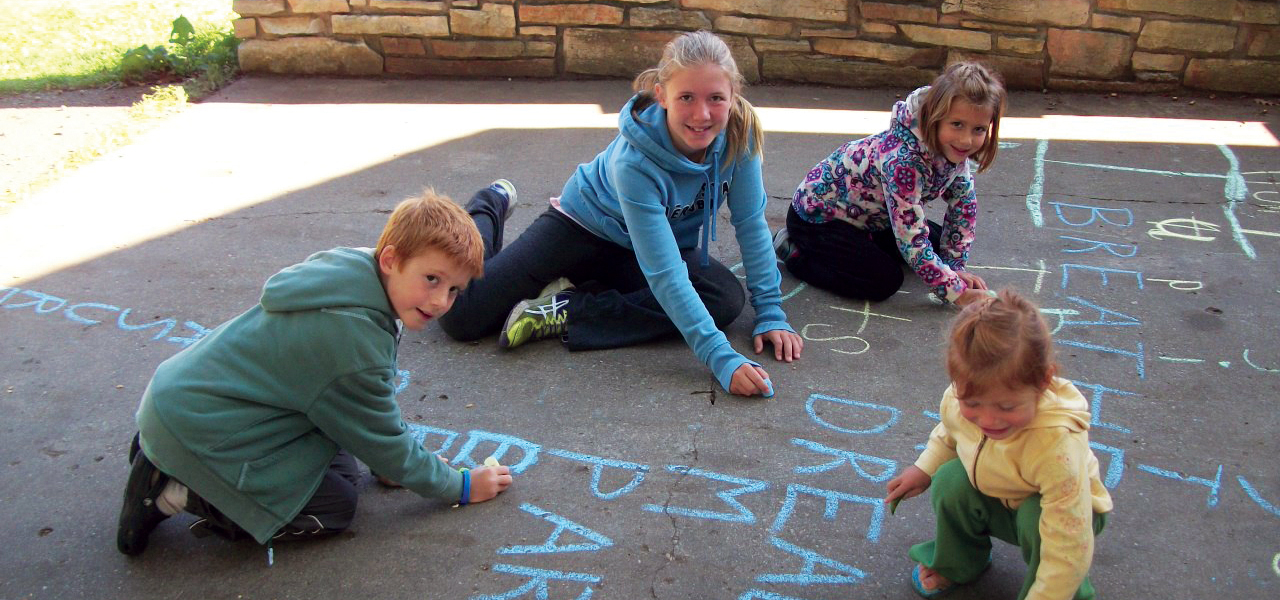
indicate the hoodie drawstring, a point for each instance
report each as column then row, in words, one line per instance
column 709, row 209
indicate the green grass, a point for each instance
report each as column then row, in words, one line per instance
column 78, row 44
column 75, row 44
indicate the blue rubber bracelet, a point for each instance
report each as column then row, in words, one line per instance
column 466, row 488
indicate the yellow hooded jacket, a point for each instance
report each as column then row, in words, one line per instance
column 1050, row 457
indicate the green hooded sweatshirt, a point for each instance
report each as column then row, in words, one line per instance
column 250, row 416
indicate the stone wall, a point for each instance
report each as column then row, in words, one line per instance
column 1088, row 45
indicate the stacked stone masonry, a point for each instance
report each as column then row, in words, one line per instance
column 1083, row 45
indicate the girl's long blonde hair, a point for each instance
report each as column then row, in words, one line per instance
column 974, row 83
column 742, row 134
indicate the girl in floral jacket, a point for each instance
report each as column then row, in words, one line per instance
column 860, row 212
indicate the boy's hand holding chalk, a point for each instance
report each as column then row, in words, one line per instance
column 489, row 461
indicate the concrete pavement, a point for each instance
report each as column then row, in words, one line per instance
column 1147, row 229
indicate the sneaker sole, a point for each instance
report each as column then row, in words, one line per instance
column 511, row 196
column 138, row 518
column 513, row 321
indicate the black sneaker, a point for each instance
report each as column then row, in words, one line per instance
column 139, row 515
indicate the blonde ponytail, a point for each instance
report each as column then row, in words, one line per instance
column 743, row 136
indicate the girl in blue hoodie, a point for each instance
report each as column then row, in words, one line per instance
column 860, row 213
column 631, row 231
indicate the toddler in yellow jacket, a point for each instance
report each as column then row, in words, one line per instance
column 1010, row 459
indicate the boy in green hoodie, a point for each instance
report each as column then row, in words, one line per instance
column 253, row 428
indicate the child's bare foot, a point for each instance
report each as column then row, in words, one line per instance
column 929, row 583
column 932, row 580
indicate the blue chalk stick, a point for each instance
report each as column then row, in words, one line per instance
column 770, row 384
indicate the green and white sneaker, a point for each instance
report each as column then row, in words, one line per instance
column 538, row 318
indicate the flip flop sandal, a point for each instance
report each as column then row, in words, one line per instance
column 919, row 587
column 939, row 592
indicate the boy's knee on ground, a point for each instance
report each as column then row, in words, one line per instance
column 349, row 497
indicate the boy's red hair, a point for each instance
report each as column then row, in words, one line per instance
column 433, row 221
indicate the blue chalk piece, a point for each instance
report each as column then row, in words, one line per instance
column 770, row 384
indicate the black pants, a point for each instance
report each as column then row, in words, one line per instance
column 848, row 261
column 330, row 510
column 613, row 306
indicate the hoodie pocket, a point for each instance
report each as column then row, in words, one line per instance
column 279, row 475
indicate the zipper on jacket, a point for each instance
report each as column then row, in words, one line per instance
column 977, row 455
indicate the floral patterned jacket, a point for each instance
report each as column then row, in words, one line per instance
column 884, row 182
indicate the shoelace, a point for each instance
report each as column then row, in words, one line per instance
column 553, row 317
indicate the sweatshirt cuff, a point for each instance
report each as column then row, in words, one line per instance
column 452, row 485
column 951, row 294
column 725, row 369
column 767, row 326
column 931, row 459
column 770, row 313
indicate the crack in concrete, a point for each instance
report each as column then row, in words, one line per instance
column 711, row 393
column 671, row 554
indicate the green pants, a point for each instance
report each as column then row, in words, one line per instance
column 966, row 521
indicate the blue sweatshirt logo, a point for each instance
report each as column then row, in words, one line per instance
column 681, row 211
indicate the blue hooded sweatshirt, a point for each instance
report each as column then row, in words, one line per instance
column 642, row 193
